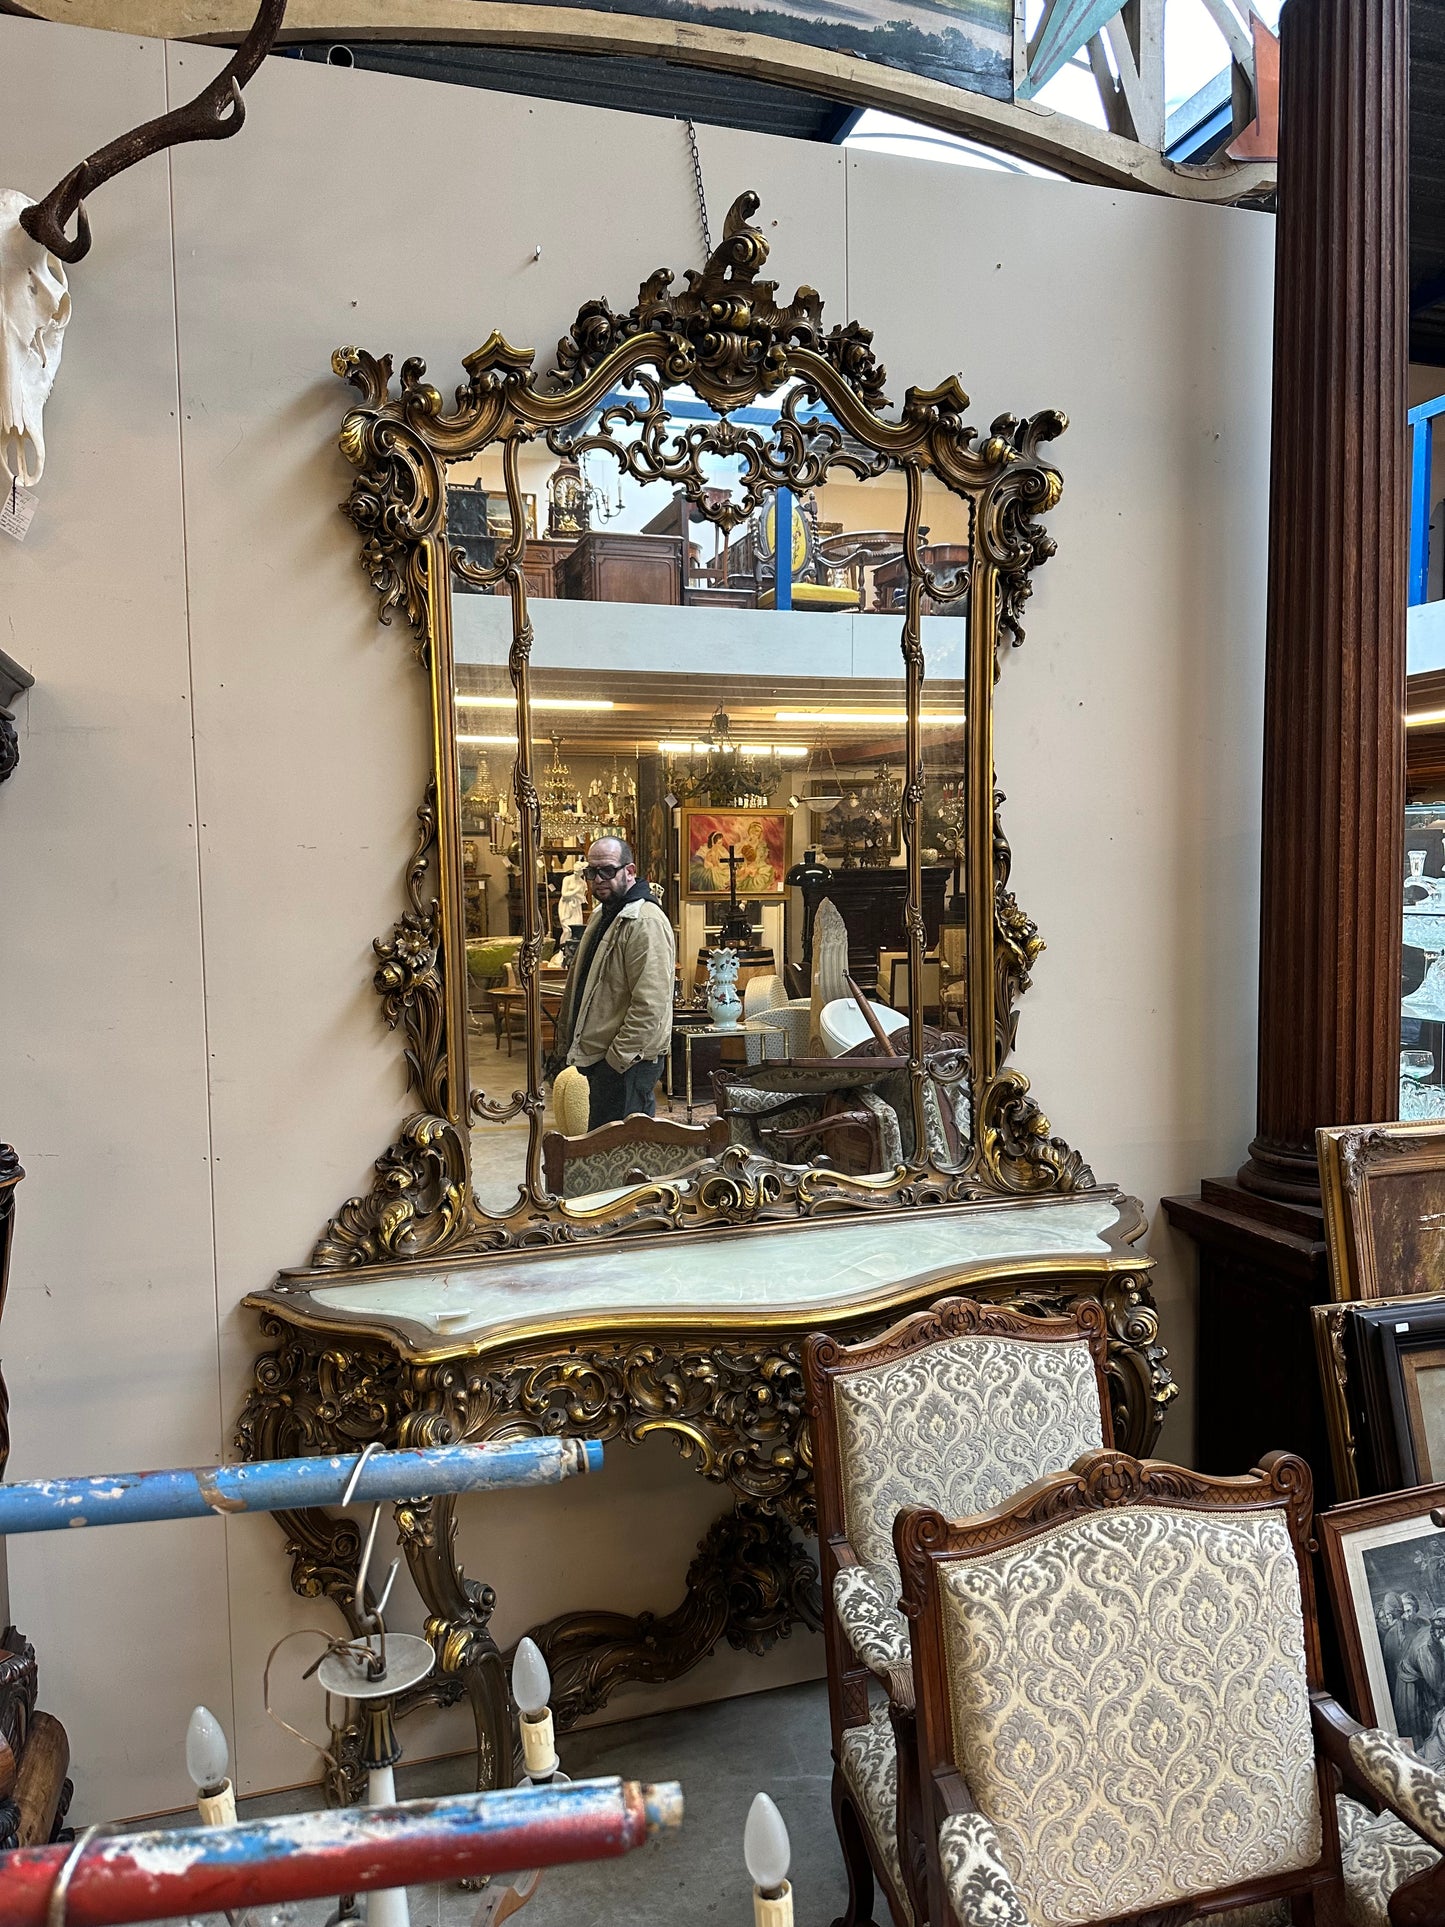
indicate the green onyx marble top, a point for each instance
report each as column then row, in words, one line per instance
column 740, row 1278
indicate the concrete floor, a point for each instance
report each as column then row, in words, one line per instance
column 723, row 1754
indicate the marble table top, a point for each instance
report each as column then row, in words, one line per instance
column 764, row 1277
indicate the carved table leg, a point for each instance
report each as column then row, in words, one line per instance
column 750, row 1583
column 459, row 1611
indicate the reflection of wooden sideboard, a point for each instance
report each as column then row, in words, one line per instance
column 619, row 1340
column 872, row 902
column 608, row 567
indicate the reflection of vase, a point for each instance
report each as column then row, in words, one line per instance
column 725, row 1009
column 724, row 1006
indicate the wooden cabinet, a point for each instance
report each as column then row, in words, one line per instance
column 606, row 567
column 872, row 904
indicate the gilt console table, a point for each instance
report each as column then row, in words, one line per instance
column 618, row 1341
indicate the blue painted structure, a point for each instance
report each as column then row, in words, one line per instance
column 1421, row 452
column 783, row 550
column 277, row 1485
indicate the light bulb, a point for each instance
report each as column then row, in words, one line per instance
column 531, row 1682
column 207, row 1755
column 766, row 1848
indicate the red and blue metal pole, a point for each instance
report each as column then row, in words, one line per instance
column 308, row 1856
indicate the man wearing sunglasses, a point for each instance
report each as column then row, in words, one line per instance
column 615, row 1023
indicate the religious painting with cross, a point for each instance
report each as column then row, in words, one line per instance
column 738, row 854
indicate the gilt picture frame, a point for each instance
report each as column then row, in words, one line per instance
column 1383, row 1189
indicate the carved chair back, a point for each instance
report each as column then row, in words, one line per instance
column 1113, row 1675
column 956, row 1408
column 630, row 1151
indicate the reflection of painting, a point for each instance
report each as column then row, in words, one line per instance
column 856, row 828
column 967, row 43
column 757, row 840
column 499, row 516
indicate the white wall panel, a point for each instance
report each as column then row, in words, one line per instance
column 110, row 1331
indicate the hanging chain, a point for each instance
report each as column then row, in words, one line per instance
column 701, row 193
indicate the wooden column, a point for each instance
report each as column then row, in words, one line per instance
column 1334, row 740
column 1334, row 744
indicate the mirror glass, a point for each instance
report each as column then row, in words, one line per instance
column 738, row 728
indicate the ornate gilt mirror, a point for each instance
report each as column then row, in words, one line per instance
column 697, row 588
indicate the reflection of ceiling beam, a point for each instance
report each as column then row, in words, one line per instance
column 1024, row 128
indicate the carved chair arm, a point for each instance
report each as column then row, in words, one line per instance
column 980, row 1888
column 1412, row 1790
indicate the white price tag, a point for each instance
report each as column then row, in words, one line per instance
column 17, row 512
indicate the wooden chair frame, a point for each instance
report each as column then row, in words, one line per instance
column 702, row 1140
column 925, row 1542
column 825, row 1361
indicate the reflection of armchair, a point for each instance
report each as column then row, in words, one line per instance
column 962, row 1406
column 814, row 1110
column 1119, row 1711
column 631, row 1151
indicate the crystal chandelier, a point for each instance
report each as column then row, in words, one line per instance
column 482, row 801
column 612, row 804
column 722, row 772
column 561, row 818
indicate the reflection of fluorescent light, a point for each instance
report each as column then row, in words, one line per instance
column 783, row 751
column 1418, row 718
column 496, row 742
column 538, row 702
column 929, row 716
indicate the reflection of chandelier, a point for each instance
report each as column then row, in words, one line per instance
column 561, row 818
column 612, row 804
column 952, row 814
column 482, row 801
column 722, row 772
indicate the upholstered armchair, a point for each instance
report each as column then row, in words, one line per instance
column 958, row 1407
column 633, row 1150
column 1120, row 1718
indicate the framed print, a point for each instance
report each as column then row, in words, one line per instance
column 856, row 828
column 1385, row 1568
column 751, row 843
column 1382, row 1374
column 499, row 516
column 1383, row 1187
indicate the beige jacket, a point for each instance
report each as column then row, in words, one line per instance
column 626, row 1010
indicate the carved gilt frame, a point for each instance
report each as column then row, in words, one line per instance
column 727, row 339
column 1361, row 1165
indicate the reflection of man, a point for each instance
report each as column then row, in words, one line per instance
column 1420, row 1684
column 615, row 1023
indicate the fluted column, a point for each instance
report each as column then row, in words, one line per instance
column 1334, row 745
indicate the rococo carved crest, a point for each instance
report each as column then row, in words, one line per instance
column 725, row 336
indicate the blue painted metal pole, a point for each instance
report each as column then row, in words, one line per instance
column 277, row 1485
column 783, row 550
column 1422, row 435
column 307, row 1856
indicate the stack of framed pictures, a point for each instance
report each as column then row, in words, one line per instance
column 1381, row 1345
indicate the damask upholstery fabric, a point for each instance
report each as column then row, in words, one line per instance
column 1378, row 1853
column 869, row 1760
column 1131, row 1707
column 871, row 1621
column 605, row 1170
column 961, row 1425
column 1411, row 1785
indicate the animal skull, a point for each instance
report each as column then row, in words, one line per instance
column 34, row 308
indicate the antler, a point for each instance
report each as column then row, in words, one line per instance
column 215, row 114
